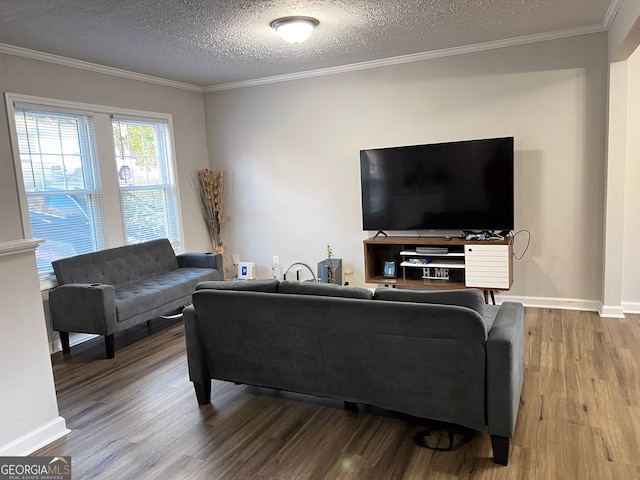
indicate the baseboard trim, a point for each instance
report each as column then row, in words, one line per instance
column 547, row 302
column 35, row 439
column 631, row 307
column 609, row 311
column 74, row 339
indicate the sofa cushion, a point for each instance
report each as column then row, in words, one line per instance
column 267, row 285
column 470, row 298
column 323, row 290
column 160, row 290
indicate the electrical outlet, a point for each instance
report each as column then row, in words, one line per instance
column 276, row 261
column 236, row 259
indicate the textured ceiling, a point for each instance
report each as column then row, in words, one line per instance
column 206, row 43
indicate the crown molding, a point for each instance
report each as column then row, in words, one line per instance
column 417, row 57
column 94, row 67
column 614, row 6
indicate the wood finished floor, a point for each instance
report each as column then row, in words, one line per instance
column 136, row 416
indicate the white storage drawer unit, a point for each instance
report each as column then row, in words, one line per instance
column 488, row 266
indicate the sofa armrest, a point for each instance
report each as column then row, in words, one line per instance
column 84, row 308
column 505, row 369
column 196, row 357
column 202, row 260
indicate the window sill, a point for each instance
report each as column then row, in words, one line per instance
column 47, row 283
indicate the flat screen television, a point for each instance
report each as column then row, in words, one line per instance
column 465, row 185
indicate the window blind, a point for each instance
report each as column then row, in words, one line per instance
column 59, row 170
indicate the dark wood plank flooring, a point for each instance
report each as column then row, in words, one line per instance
column 136, row 416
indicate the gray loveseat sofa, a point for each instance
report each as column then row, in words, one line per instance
column 111, row 290
column 440, row 355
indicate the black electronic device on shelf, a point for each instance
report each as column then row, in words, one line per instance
column 465, row 185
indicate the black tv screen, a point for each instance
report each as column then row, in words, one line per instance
column 466, row 185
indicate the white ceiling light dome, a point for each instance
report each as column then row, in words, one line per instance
column 295, row 29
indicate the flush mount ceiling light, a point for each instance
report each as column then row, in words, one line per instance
column 294, row 29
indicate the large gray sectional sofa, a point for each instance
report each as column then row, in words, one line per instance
column 111, row 290
column 439, row 355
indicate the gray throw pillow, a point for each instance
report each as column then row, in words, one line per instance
column 323, row 290
column 268, row 285
column 470, row 298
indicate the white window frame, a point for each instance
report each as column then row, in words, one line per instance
column 164, row 152
column 106, row 163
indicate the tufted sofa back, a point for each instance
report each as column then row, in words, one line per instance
column 120, row 267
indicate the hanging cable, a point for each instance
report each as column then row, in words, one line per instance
column 513, row 237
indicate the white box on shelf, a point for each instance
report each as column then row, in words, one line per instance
column 247, row 270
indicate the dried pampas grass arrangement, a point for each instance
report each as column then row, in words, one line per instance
column 210, row 184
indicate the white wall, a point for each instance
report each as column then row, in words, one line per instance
column 31, row 77
column 29, row 416
column 620, row 261
column 292, row 153
column 614, row 191
column 631, row 252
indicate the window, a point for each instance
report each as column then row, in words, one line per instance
column 145, row 174
column 79, row 201
column 59, row 173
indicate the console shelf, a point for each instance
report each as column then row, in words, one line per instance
column 411, row 253
column 440, row 264
column 456, row 262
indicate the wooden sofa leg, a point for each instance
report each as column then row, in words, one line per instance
column 110, row 345
column 500, row 447
column 203, row 392
column 64, row 339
